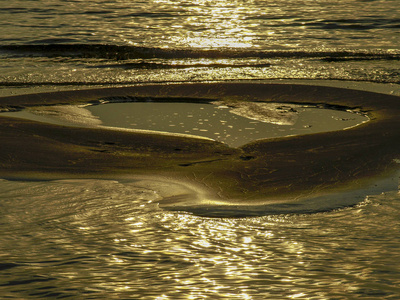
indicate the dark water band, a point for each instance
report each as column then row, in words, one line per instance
column 278, row 172
column 120, row 52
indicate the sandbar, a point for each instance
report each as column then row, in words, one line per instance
column 280, row 170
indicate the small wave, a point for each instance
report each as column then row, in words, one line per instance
column 361, row 23
column 159, row 65
column 120, row 52
column 354, row 24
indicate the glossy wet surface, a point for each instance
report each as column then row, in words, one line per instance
column 106, row 239
column 234, row 125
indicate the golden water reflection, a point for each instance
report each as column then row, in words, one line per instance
column 218, row 251
column 214, row 24
column 102, row 237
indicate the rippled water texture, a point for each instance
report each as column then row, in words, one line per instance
column 68, row 43
column 205, row 24
column 104, row 239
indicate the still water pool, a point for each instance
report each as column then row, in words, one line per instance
column 235, row 124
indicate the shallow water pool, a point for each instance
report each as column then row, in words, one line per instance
column 234, row 124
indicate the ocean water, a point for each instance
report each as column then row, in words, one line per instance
column 103, row 239
column 68, row 44
column 108, row 239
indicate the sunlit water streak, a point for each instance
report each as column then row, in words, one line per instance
column 100, row 239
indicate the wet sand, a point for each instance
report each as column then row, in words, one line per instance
column 284, row 169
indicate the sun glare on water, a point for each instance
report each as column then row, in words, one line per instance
column 215, row 24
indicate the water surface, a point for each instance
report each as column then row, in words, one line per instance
column 74, row 43
column 107, row 239
column 234, row 125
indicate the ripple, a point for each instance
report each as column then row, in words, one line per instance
column 96, row 238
